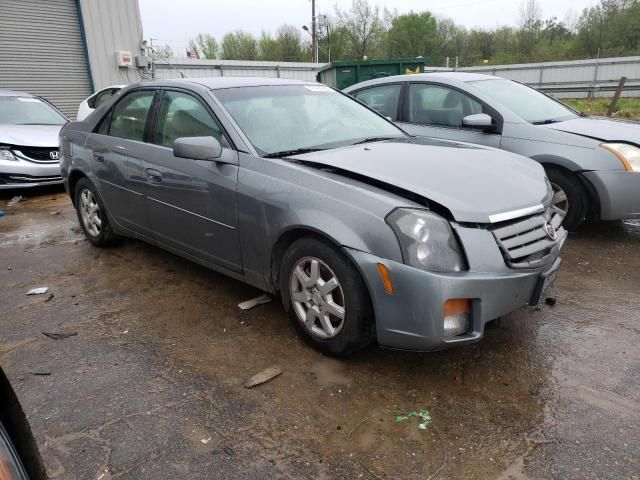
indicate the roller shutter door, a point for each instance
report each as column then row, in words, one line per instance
column 42, row 51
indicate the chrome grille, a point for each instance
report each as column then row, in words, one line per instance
column 526, row 243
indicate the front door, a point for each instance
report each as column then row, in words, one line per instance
column 117, row 147
column 434, row 110
column 192, row 203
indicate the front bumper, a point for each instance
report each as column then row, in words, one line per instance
column 619, row 193
column 412, row 317
column 23, row 174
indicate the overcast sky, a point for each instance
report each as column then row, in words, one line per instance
column 175, row 22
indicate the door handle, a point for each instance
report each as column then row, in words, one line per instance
column 98, row 158
column 153, row 175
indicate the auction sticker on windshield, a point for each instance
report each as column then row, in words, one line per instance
column 317, row 88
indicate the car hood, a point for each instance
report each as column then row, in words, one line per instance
column 474, row 183
column 601, row 128
column 30, row 135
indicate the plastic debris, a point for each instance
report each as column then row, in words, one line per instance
column 423, row 414
column 254, row 302
column 204, row 441
column 59, row 336
column 264, row 376
column 38, row 291
column 15, row 200
column 1, row 214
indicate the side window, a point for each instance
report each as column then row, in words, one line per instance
column 129, row 116
column 182, row 115
column 383, row 99
column 102, row 97
column 439, row 105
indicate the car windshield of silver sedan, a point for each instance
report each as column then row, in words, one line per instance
column 526, row 102
column 28, row 111
column 287, row 119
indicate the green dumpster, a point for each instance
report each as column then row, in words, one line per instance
column 346, row 73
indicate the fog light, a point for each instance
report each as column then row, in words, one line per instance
column 457, row 315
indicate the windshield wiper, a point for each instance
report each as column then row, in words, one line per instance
column 548, row 121
column 373, row 139
column 288, row 153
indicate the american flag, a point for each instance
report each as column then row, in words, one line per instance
column 192, row 54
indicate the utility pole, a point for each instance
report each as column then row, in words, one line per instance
column 314, row 33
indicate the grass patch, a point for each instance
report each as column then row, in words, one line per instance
column 626, row 107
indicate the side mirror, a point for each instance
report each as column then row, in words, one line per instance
column 479, row 120
column 197, row 148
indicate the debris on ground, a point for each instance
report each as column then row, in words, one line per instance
column 423, row 414
column 400, row 417
column 254, row 302
column 41, row 374
column 537, row 439
column 15, row 200
column 550, row 301
column 264, row 376
column 38, row 291
column 1, row 214
column 59, row 336
column 225, row 449
column 54, row 213
column 49, row 298
column 204, row 441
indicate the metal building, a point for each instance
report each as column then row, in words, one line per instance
column 64, row 50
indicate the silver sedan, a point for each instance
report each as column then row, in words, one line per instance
column 365, row 232
column 593, row 163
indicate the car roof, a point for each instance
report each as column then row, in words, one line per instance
column 215, row 83
column 448, row 77
column 14, row 93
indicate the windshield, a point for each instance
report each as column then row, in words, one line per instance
column 284, row 118
column 28, row 111
column 527, row 103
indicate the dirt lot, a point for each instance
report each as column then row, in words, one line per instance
column 151, row 385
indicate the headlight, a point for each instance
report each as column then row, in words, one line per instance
column 6, row 154
column 629, row 155
column 426, row 240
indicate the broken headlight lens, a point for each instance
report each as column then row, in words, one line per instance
column 6, row 154
column 426, row 240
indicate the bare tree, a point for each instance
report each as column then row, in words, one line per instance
column 530, row 24
column 363, row 26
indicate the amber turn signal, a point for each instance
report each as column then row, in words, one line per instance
column 386, row 278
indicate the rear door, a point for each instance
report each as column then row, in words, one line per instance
column 385, row 99
column 436, row 110
column 117, row 146
column 192, row 203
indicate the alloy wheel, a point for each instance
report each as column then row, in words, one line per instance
column 90, row 212
column 317, row 297
column 560, row 201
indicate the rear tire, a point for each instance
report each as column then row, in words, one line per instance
column 92, row 215
column 569, row 195
column 325, row 297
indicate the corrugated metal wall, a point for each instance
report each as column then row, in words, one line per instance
column 111, row 26
column 41, row 51
column 573, row 79
column 194, row 68
column 578, row 78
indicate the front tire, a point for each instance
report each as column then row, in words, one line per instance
column 570, row 198
column 325, row 297
column 92, row 215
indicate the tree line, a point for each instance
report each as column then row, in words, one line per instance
column 610, row 28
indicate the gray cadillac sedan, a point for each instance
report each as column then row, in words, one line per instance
column 593, row 163
column 365, row 232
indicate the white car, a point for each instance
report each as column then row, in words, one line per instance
column 88, row 105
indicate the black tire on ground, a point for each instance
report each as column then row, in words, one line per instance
column 106, row 236
column 357, row 327
column 576, row 194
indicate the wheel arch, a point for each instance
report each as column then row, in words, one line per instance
column 74, row 177
column 593, row 207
